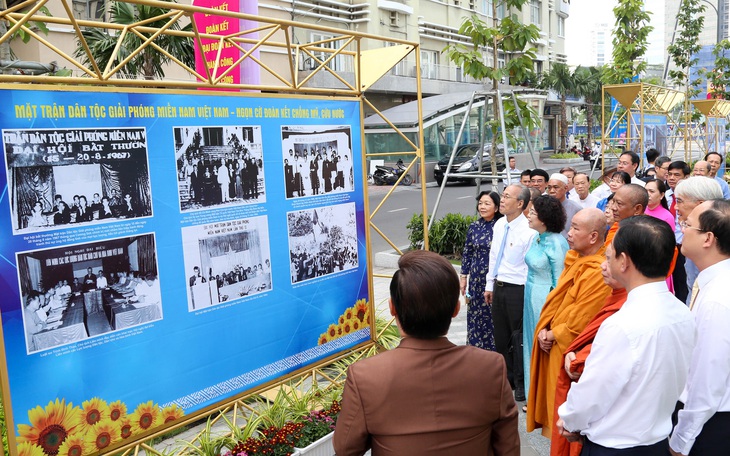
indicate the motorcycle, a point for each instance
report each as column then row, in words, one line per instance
column 387, row 175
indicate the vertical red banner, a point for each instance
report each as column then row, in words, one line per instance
column 248, row 72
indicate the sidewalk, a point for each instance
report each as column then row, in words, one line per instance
column 532, row 444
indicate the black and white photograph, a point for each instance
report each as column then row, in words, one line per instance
column 219, row 166
column 322, row 241
column 226, row 261
column 73, row 293
column 70, row 177
column 317, row 160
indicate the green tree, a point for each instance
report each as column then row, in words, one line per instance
column 560, row 80
column 587, row 84
column 683, row 52
column 507, row 36
column 630, row 39
column 720, row 76
column 150, row 62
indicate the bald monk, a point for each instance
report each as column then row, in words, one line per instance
column 575, row 359
column 629, row 200
column 574, row 302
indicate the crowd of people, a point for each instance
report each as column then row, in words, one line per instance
column 316, row 171
column 82, row 210
column 614, row 333
column 210, row 179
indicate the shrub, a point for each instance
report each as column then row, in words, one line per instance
column 566, row 155
column 446, row 236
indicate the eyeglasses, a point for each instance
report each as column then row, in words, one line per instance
column 506, row 196
column 687, row 227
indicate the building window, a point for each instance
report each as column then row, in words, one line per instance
column 89, row 9
column 561, row 26
column 336, row 64
column 538, row 66
column 395, row 19
column 535, row 7
column 429, row 64
column 501, row 8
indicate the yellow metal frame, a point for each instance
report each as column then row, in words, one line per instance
column 637, row 99
column 369, row 66
column 713, row 109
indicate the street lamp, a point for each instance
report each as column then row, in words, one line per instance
column 717, row 11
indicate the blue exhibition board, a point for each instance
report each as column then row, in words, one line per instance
column 241, row 217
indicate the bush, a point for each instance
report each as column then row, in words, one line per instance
column 446, row 236
column 566, row 155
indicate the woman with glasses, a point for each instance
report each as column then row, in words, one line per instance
column 474, row 267
column 618, row 180
column 544, row 259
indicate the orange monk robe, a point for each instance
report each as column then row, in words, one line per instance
column 581, row 346
column 611, row 233
column 573, row 303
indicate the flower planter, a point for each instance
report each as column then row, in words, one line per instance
column 322, row 447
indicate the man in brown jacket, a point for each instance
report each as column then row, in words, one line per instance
column 427, row 396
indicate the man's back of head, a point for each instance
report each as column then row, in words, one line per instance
column 424, row 294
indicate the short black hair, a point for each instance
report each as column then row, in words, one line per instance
column 634, row 158
column 425, row 292
column 539, row 172
column 550, row 212
column 31, row 295
column 680, row 165
column 494, row 196
column 713, row 153
column 524, row 173
column 651, row 155
column 623, row 175
column 648, row 242
column 716, row 220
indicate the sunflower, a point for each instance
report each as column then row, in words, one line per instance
column 171, row 413
column 347, row 327
column 75, row 445
column 50, row 426
column 340, row 331
column 117, row 409
column 361, row 310
column 356, row 325
column 341, row 319
column 103, row 434
column 30, row 449
column 323, row 339
column 94, row 410
column 145, row 416
column 332, row 331
column 126, row 427
column 349, row 313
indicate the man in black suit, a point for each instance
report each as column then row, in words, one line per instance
column 196, row 278
column 89, row 280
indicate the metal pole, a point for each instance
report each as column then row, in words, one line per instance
column 504, row 138
column 524, row 132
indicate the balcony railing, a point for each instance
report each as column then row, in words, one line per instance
column 407, row 68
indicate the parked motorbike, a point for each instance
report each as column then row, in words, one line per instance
column 387, row 175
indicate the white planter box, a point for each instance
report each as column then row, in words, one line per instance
column 322, row 447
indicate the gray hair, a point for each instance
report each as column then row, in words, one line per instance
column 699, row 188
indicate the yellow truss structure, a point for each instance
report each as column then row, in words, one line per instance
column 713, row 110
column 368, row 65
column 637, row 99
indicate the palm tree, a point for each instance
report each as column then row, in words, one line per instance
column 150, row 62
column 587, row 81
column 560, row 80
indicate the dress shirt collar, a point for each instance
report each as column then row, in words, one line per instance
column 519, row 220
column 713, row 271
column 640, row 294
column 439, row 343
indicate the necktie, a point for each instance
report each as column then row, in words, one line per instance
column 695, row 292
column 673, row 206
column 500, row 254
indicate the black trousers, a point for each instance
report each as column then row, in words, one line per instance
column 679, row 277
column 714, row 439
column 593, row 449
column 507, row 310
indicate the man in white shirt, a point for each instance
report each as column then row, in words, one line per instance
column 676, row 172
column 581, row 186
column 101, row 281
column 703, row 426
column 640, row 357
column 628, row 162
column 715, row 160
column 505, row 289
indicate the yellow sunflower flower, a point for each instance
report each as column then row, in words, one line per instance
column 347, row 327
column 361, row 310
column 103, row 434
column 30, row 449
column 75, row 445
column 145, row 416
column 49, row 427
column 322, row 339
column 171, row 413
column 126, row 427
column 94, row 410
column 332, row 331
column 356, row 325
column 349, row 314
column 341, row 319
column 340, row 331
column 117, row 409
